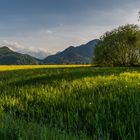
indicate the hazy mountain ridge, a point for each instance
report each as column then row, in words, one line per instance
column 72, row 55
column 9, row 57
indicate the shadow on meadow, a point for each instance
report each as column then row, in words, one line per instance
column 108, row 109
column 50, row 76
column 102, row 113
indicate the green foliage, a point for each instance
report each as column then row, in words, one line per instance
column 120, row 47
column 70, row 104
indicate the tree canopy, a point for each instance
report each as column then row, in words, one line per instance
column 119, row 47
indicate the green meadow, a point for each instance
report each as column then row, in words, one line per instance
column 70, row 103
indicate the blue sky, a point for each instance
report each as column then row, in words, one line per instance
column 41, row 26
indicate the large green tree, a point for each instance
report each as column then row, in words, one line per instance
column 119, row 47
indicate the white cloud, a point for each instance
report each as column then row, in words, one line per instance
column 46, row 32
column 93, row 25
column 15, row 46
column 53, row 39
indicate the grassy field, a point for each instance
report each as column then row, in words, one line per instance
column 69, row 103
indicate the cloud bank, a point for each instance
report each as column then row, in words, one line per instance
column 35, row 52
column 52, row 26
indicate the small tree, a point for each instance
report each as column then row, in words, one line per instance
column 120, row 47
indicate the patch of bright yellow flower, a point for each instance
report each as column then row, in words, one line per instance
column 21, row 67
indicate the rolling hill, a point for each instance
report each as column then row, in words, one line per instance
column 9, row 57
column 73, row 55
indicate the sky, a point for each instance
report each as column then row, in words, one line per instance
column 44, row 27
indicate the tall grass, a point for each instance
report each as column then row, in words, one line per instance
column 70, row 103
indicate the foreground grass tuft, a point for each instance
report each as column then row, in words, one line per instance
column 70, row 103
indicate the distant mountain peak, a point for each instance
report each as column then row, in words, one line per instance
column 69, row 48
column 9, row 57
column 5, row 49
column 74, row 55
column 92, row 42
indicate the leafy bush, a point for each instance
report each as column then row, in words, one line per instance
column 119, row 47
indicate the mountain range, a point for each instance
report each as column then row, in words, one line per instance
column 9, row 57
column 72, row 55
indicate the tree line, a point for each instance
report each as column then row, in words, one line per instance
column 119, row 47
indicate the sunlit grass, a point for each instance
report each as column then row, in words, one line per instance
column 69, row 103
